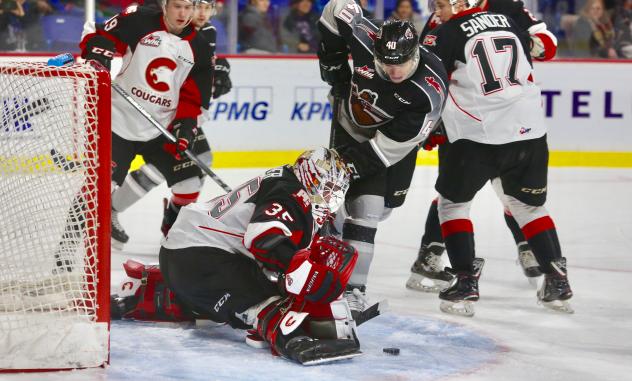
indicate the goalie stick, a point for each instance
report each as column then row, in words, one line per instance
column 170, row 137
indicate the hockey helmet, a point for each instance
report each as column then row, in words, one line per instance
column 396, row 50
column 463, row 5
column 325, row 178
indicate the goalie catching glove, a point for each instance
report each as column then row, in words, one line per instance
column 320, row 274
column 185, row 131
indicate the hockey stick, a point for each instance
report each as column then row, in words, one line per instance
column 374, row 311
column 170, row 137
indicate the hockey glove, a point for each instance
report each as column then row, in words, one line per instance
column 334, row 69
column 185, row 131
column 436, row 138
column 221, row 78
column 100, row 49
column 320, row 274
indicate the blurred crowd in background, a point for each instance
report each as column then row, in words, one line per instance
column 584, row 28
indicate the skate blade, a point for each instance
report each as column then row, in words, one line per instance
column 462, row 308
column 424, row 284
column 558, row 306
column 331, row 359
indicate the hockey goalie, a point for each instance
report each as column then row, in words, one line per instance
column 252, row 259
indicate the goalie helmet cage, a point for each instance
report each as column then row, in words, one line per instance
column 55, row 154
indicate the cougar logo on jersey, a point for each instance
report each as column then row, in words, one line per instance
column 151, row 40
column 433, row 82
column 363, row 107
column 409, row 35
column 158, row 73
column 365, row 71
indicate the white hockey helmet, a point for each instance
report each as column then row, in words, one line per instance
column 467, row 4
column 325, row 178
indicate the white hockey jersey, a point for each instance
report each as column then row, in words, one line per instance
column 169, row 76
column 492, row 98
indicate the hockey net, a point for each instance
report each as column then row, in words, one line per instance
column 54, row 216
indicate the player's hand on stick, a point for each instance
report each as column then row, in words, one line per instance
column 320, row 274
column 100, row 49
column 334, row 69
column 221, row 79
column 184, row 130
column 436, row 138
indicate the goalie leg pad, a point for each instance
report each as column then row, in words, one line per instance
column 309, row 333
column 145, row 296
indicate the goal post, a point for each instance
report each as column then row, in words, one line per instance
column 55, row 171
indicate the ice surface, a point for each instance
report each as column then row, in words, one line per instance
column 510, row 338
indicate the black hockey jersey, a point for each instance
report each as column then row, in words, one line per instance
column 492, row 97
column 267, row 218
column 388, row 119
column 169, row 75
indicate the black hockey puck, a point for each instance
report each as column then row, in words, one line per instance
column 391, row 351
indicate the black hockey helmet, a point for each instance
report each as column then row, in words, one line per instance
column 396, row 43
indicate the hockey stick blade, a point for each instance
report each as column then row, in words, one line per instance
column 170, row 137
column 372, row 312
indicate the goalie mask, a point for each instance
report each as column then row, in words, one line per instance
column 396, row 50
column 326, row 180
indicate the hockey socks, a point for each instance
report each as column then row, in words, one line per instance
column 542, row 237
column 458, row 235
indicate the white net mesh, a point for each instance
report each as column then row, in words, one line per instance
column 49, row 218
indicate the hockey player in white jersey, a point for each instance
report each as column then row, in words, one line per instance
column 167, row 69
column 427, row 272
column 251, row 259
column 142, row 180
column 495, row 124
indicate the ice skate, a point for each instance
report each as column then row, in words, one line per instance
column 555, row 290
column 528, row 263
column 428, row 273
column 118, row 234
column 458, row 298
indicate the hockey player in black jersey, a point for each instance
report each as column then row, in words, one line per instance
column 495, row 125
column 140, row 181
column 251, row 259
column 427, row 272
column 389, row 104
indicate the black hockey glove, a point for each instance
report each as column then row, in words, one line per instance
column 221, row 78
column 334, row 69
column 185, row 131
column 100, row 49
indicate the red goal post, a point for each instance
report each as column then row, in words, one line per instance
column 55, row 171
